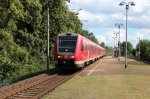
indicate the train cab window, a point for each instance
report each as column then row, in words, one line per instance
column 67, row 44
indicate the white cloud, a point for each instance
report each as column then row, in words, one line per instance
column 135, row 39
column 101, row 38
column 145, row 31
column 141, row 7
column 108, row 39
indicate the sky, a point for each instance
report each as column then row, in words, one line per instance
column 102, row 15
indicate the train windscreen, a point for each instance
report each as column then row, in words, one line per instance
column 67, row 44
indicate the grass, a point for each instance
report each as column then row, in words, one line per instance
column 132, row 84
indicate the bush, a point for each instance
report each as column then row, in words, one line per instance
column 12, row 57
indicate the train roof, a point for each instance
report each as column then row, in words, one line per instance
column 68, row 34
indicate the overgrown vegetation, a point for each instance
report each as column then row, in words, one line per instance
column 108, row 50
column 144, row 50
column 23, row 29
column 129, row 48
column 144, row 53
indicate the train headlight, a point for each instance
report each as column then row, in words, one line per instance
column 71, row 56
column 59, row 56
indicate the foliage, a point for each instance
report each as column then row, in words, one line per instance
column 12, row 56
column 144, row 49
column 108, row 50
column 89, row 35
column 102, row 44
column 123, row 48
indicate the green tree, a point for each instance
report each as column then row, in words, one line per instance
column 102, row 44
column 144, row 49
column 108, row 50
column 89, row 35
column 123, row 48
column 12, row 57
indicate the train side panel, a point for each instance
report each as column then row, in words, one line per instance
column 82, row 54
column 78, row 60
column 86, row 52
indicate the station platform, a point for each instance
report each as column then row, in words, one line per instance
column 112, row 66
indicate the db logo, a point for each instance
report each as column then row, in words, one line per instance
column 65, row 57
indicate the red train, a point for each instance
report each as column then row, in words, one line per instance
column 75, row 51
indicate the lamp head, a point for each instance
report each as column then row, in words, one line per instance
column 132, row 4
column 78, row 10
column 121, row 4
column 77, row 13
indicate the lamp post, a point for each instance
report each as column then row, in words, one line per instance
column 139, row 49
column 119, row 25
column 84, row 20
column 114, row 41
column 114, row 47
column 48, row 38
column 127, row 7
column 116, row 38
column 77, row 11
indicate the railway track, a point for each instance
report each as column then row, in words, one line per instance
column 34, row 88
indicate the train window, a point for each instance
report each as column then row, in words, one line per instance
column 67, row 43
column 84, row 46
column 92, row 48
column 89, row 47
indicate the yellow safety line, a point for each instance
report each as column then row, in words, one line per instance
column 94, row 69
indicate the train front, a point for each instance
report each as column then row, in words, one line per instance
column 65, row 45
